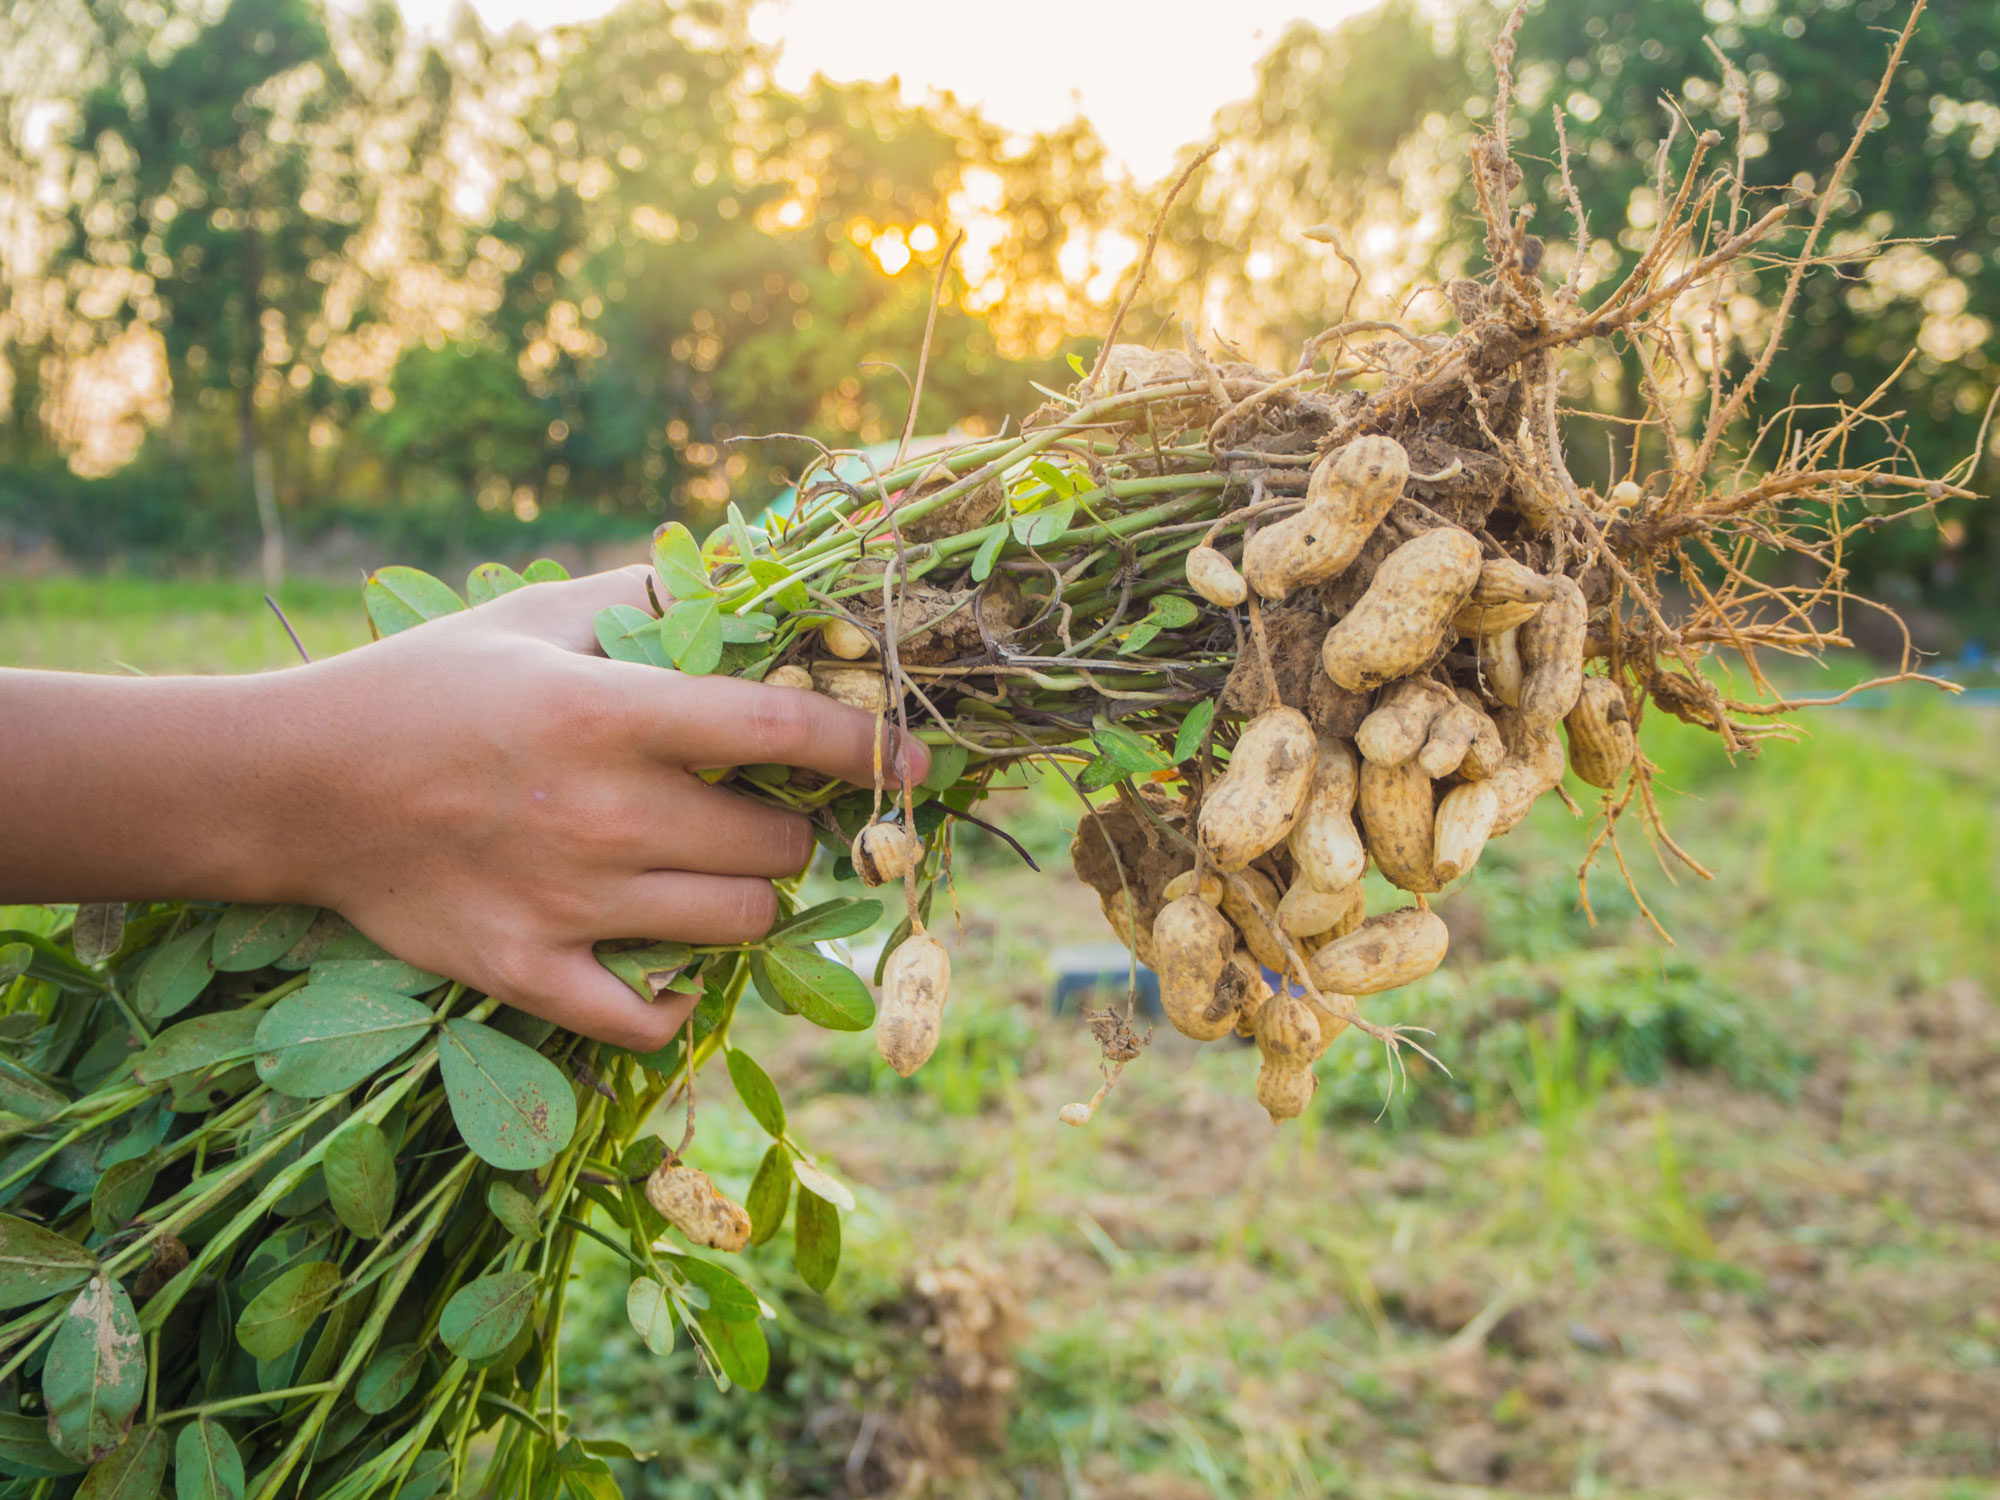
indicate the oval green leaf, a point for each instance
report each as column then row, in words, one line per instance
column 770, row 1194
column 25, row 1450
column 175, row 975
column 206, row 1463
column 361, row 1178
column 758, row 1093
column 515, row 1210
column 677, row 559
column 512, row 1105
column 816, row 1240
column 816, row 1180
column 95, row 1377
column 739, row 1349
column 389, row 1376
column 188, row 1046
column 545, row 570
column 728, row 1298
column 627, row 633
column 839, row 918
column 134, row 1471
column 483, row 1316
column 801, row 980
column 650, row 1311
column 397, row 598
column 691, row 632
column 326, row 1038
column 249, row 937
column 37, row 1263
column 97, row 931
column 390, row 974
column 279, row 1316
column 121, row 1192
column 490, row 580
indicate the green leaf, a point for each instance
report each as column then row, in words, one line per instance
column 490, row 580
column 249, row 937
column 648, row 968
column 390, row 974
column 95, row 1377
column 26, row 1452
column 513, row 1106
column 545, row 570
column 388, row 1377
column 692, row 633
column 758, row 1093
column 801, row 981
column 515, row 1210
column 279, row 1316
column 1133, row 752
column 677, row 559
column 22, row 1093
column 727, row 1297
column 770, row 1194
column 186, row 1046
column 46, row 961
column 739, row 533
column 326, row 1038
column 792, row 597
column 947, row 765
column 630, row 634
column 1139, row 637
column 651, row 1313
column 37, row 1263
column 742, row 630
column 1100, row 772
column 1039, row 528
column 206, row 1463
column 838, row 918
column 15, row 959
column 582, row 1476
column 175, row 975
column 988, row 554
column 361, row 1179
column 1082, row 370
column 398, row 598
column 739, row 1349
column 816, row 1240
column 483, row 1316
column 813, row 1179
column 1188, row 742
column 135, row 1470
column 1173, row 611
column 98, row 931
column 121, row 1192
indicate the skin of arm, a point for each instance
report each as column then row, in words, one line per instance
column 485, row 795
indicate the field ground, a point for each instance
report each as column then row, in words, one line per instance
column 1720, row 1219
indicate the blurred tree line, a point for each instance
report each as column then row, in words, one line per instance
column 452, row 291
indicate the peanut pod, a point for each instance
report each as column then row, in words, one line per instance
column 1324, row 845
column 1500, row 666
column 1397, row 817
column 857, row 687
column 1601, row 743
column 1487, row 751
column 915, row 986
column 1399, row 624
column 1382, row 953
column 1346, row 498
column 1246, row 898
column 1401, row 721
column 882, row 852
column 1254, row 804
column 1465, row 817
column 845, row 639
column 1215, row 578
column 1192, row 942
column 687, row 1200
column 1306, row 912
column 1452, row 737
column 1552, row 654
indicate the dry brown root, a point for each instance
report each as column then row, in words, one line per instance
column 687, row 1200
column 1307, row 912
column 883, row 852
column 1397, row 816
column 1323, row 842
column 1346, row 498
column 789, row 677
column 1252, row 807
column 1488, row 751
column 846, row 640
column 1552, row 656
column 915, row 985
column 1192, row 942
column 857, row 687
column 1242, row 899
column 1465, row 817
column 1382, row 953
column 1215, row 578
column 1402, row 720
column 1399, row 623
column 1601, row 742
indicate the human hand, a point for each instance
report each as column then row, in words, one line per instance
column 496, row 796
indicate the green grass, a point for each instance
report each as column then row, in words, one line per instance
column 154, row 626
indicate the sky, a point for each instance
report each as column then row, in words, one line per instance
column 1148, row 73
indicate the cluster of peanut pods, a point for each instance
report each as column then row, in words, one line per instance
column 1443, row 759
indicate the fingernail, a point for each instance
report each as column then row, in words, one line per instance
column 913, row 760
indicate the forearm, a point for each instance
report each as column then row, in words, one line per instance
column 143, row 788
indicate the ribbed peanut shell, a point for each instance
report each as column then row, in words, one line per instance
column 1324, row 844
column 1305, row 912
column 687, row 1200
column 1192, row 942
column 1285, row 1091
column 1396, row 818
column 1465, row 817
column 857, row 687
column 1476, row 619
column 1214, row 577
column 1252, row 807
column 1400, row 622
column 915, row 985
column 1258, row 935
column 1382, row 953
column 1346, row 498
column 1601, row 743
column 1500, row 669
column 1505, row 581
column 1487, row 751
column 846, row 640
column 1552, row 655
column 1396, row 729
column 1452, row 738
